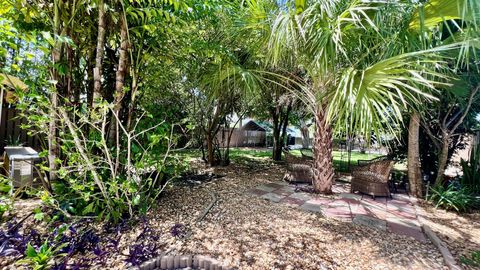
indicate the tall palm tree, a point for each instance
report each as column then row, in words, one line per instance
column 359, row 80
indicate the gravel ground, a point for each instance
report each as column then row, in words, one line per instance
column 461, row 232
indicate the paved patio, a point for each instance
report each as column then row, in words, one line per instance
column 396, row 215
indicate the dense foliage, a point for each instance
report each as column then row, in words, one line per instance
column 455, row 198
column 57, row 246
column 471, row 170
column 114, row 89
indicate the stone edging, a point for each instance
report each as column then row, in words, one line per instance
column 170, row 262
column 441, row 246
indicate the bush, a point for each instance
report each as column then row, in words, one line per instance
column 471, row 171
column 452, row 198
column 102, row 171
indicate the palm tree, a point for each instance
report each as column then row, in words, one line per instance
column 359, row 80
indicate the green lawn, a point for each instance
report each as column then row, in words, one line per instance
column 340, row 160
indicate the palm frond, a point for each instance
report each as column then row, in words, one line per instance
column 371, row 100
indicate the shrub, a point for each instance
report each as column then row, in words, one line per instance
column 471, row 171
column 452, row 198
column 110, row 174
column 5, row 204
column 40, row 258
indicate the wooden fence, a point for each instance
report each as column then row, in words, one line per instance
column 11, row 132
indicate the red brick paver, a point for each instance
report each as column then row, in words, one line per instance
column 398, row 212
column 292, row 201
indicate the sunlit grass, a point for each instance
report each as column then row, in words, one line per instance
column 241, row 155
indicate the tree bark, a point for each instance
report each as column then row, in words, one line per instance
column 211, row 131
column 442, row 159
column 448, row 129
column 132, row 100
column 277, row 147
column 69, row 78
column 284, row 126
column 210, row 150
column 52, row 125
column 120, row 79
column 305, row 134
column 413, row 156
column 97, row 71
column 323, row 171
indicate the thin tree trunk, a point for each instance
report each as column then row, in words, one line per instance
column 132, row 101
column 88, row 87
column 448, row 128
column 97, row 71
column 277, row 146
column 323, row 171
column 210, row 150
column 305, row 134
column 69, row 78
column 52, row 125
column 211, row 132
column 414, row 172
column 120, row 80
column 284, row 126
column 442, row 159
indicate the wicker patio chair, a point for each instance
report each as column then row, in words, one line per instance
column 362, row 162
column 372, row 179
column 299, row 170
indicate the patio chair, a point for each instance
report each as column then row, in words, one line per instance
column 372, row 179
column 362, row 162
column 299, row 170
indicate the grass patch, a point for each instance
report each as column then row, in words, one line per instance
column 241, row 155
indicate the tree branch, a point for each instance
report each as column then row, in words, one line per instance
column 467, row 109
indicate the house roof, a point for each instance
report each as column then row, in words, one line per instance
column 252, row 125
column 265, row 125
column 268, row 128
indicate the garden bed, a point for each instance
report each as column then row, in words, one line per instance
column 460, row 232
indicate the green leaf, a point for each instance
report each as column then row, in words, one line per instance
column 299, row 6
column 30, row 251
column 39, row 216
column 88, row 209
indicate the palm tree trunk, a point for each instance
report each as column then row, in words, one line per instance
column 97, row 71
column 323, row 171
column 414, row 172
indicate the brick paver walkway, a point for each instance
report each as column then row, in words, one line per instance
column 396, row 215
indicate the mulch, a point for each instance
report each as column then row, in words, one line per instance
column 251, row 233
column 460, row 232
column 247, row 232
